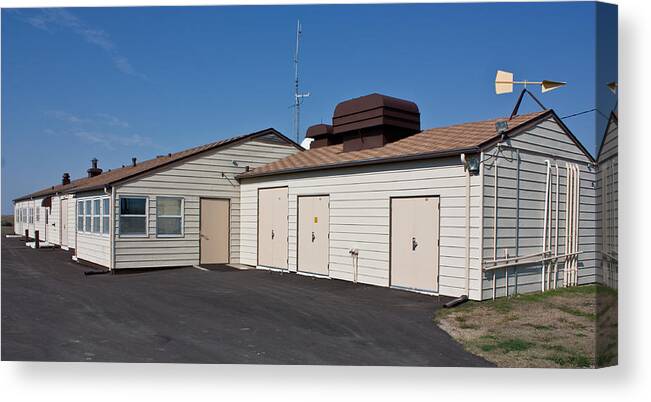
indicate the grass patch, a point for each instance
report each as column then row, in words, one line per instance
column 577, row 312
column 514, row 345
column 573, row 360
column 539, row 326
column 557, row 328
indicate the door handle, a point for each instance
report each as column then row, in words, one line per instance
column 313, row 237
column 273, row 234
column 414, row 244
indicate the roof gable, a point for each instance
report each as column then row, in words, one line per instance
column 114, row 176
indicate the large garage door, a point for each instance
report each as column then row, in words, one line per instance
column 415, row 243
column 272, row 227
column 313, row 234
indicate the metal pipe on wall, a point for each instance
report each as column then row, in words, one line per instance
column 577, row 222
column 495, row 182
column 467, row 232
column 544, row 234
column 556, row 229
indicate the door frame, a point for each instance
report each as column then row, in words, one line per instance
column 257, row 224
column 61, row 201
column 229, row 223
column 298, row 215
column 438, row 246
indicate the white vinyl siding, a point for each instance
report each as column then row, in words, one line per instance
column 209, row 175
column 520, row 224
column 607, row 205
column 360, row 217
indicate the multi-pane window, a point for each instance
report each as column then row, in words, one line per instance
column 38, row 214
column 96, row 215
column 30, row 215
column 88, row 207
column 169, row 216
column 133, row 216
column 106, row 215
column 80, row 216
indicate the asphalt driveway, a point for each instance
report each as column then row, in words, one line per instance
column 51, row 311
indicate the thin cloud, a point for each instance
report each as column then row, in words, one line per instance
column 65, row 117
column 111, row 141
column 49, row 19
column 112, row 120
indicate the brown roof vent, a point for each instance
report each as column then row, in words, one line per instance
column 322, row 136
column 94, row 170
column 134, row 161
column 374, row 120
column 66, row 179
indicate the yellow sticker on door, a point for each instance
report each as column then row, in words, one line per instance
column 316, row 219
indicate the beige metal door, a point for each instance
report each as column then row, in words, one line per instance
column 313, row 234
column 415, row 243
column 64, row 222
column 214, row 231
column 272, row 227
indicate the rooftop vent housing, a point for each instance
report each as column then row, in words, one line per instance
column 94, row 170
column 373, row 121
column 322, row 136
column 65, row 179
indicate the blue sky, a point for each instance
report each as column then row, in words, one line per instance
column 113, row 83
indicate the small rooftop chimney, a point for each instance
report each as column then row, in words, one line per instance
column 322, row 136
column 94, row 170
column 134, row 161
column 66, row 179
column 373, row 121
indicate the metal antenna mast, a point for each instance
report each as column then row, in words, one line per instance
column 298, row 97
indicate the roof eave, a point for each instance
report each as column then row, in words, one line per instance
column 365, row 162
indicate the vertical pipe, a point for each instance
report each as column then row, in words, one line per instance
column 36, row 239
column 467, row 232
column 578, row 221
column 556, row 231
column 112, row 218
column 495, row 208
column 544, row 234
column 567, row 223
column 481, row 226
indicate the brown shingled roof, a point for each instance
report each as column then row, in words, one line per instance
column 441, row 141
column 109, row 177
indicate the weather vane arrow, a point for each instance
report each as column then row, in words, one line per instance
column 504, row 83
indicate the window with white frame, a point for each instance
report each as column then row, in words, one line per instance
column 96, row 215
column 80, row 216
column 38, row 214
column 88, row 219
column 24, row 215
column 30, row 215
column 169, row 216
column 133, row 216
column 106, row 215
